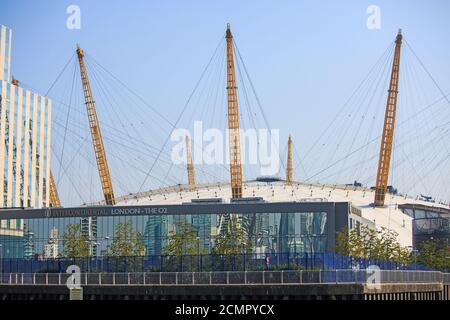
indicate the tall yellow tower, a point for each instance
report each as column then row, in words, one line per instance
column 54, row 198
column 289, row 169
column 233, row 121
column 388, row 128
column 99, row 148
column 190, row 166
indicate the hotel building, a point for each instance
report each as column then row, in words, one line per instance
column 25, row 131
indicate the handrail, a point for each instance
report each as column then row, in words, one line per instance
column 286, row 277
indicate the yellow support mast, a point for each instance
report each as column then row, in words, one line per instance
column 233, row 121
column 289, row 169
column 99, row 148
column 54, row 197
column 231, row 221
column 388, row 128
column 190, row 166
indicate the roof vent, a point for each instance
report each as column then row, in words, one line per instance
column 268, row 179
column 206, row 200
column 247, row 200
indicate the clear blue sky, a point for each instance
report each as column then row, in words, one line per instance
column 294, row 49
column 305, row 57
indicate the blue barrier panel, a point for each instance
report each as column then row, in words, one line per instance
column 208, row 262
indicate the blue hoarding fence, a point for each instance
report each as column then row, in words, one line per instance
column 199, row 263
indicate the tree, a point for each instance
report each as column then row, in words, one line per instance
column 184, row 241
column 183, row 247
column 234, row 241
column 342, row 242
column 434, row 254
column 127, row 242
column 75, row 245
column 126, row 248
column 231, row 247
column 368, row 243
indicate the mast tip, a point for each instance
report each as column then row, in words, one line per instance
column 79, row 51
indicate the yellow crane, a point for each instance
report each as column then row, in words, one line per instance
column 233, row 121
column 99, row 148
column 190, row 166
column 289, row 169
column 388, row 128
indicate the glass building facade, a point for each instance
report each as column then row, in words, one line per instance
column 295, row 228
column 25, row 126
column 156, row 234
column 267, row 232
column 429, row 223
column 283, row 232
column 5, row 52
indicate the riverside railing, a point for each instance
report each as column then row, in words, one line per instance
column 228, row 278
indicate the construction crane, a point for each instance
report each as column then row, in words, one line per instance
column 289, row 170
column 190, row 166
column 233, row 121
column 388, row 128
column 99, row 148
column 54, row 198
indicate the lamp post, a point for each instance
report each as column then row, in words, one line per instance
column 91, row 243
column 414, row 252
column 107, row 239
column 100, row 246
column 277, row 234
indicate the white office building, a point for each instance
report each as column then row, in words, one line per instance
column 25, row 132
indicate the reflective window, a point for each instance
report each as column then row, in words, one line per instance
column 291, row 233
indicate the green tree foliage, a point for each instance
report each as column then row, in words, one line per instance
column 184, row 241
column 183, row 250
column 127, row 242
column 231, row 248
column 233, row 242
column 365, row 242
column 434, row 254
column 75, row 245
